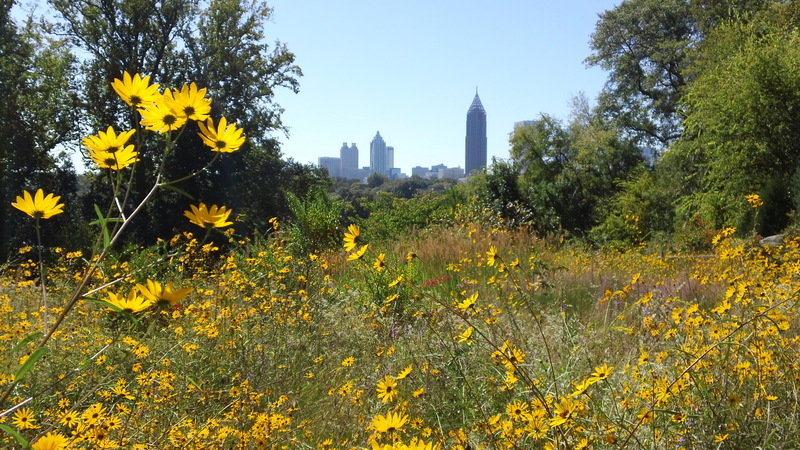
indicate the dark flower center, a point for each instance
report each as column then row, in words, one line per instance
column 135, row 100
column 169, row 119
column 221, row 144
column 189, row 110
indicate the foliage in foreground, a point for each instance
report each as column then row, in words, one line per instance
column 479, row 337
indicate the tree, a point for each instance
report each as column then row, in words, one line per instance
column 221, row 46
column 569, row 171
column 37, row 113
column 644, row 44
column 742, row 120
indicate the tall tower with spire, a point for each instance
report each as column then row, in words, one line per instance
column 378, row 158
column 475, row 145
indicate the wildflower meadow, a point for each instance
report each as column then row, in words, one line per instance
column 467, row 334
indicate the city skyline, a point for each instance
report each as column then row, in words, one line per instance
column 381, row 155
column 414, row 83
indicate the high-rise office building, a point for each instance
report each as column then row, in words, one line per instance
column 378, row 157
column 475, row 142
column 349, row 159
column 332, row 165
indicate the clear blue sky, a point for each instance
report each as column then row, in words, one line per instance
column 409, row 69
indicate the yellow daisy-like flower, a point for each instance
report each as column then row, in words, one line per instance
column 214, row 217
column 754, row 200
column 39, row 206
column 347, row 362
column 405, row 372
column 136, row 91
column 517, row 410
column 134, row 303
column 380, row 262
column 225, row 138
column 563, row 412
column 358, row 254
column 391, row 423
column 160, row 117
column 601, row 373
column 463, row 337
column 189, row 102
column 491, row 256
column 396, row 281
column 387, row 389
column 108, row 141
column 351, row 237
column 117, row 160
column 23, row 419
column 165, row 295
column 468, row 302
column 51, row 441
column 94, row 414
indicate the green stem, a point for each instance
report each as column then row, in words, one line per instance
column 192, row 175
column 42, row 274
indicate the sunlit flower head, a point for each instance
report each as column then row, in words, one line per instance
column 189, row 102
column 117, row 160
column 405, row 372
column 468, row 302
column 396, row 281
column 517, row 410
column 463, row 337
column 380, row 262
column 162, row 295
column 23, row 419
column 213, row 217
column 160, row 117
column 108, row 141
column 391, row 423
column 39, row 206
column 358, row 254
column 351, row 237
column 133, row 303
column 601, row 372
column 491, row 256
column 136, row 91
column 754, row 200
column 563, row 411
column 51, row 441
column 387, row 389
column 224, row 138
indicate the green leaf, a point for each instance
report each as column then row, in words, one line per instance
column 22, row 371
column 102, row 222
column 116, row 309
column 108, row 305
column 30, row 338
column 20, row 440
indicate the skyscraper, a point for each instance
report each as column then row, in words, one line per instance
column 475, row 145
column 378, row 161
column 349, row 158
column 331, row 164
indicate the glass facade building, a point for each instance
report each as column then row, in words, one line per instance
column 475, row 145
